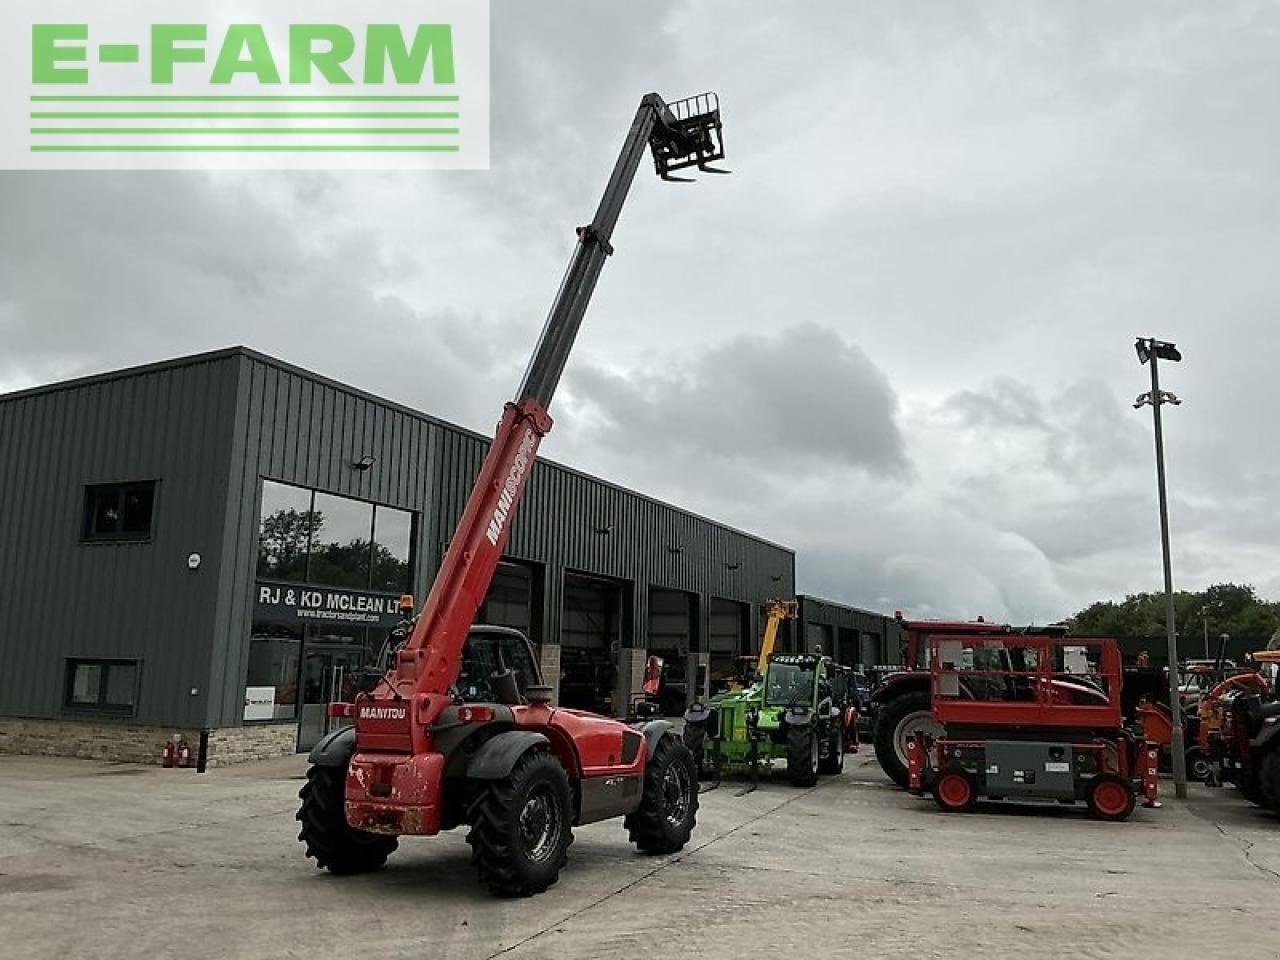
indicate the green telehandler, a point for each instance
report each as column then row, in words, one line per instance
column 796, row 707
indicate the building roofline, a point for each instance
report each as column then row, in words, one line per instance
column 225, row 353
column 841, row 606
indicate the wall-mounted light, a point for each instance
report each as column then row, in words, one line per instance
column 675, row 548
column 365, row 462
column 734, row 566
column 604, row 529
column 776, row 577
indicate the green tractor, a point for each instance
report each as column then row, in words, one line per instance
column 798, row 711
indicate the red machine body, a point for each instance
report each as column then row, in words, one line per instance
column 407, row 726
column 1026, row 716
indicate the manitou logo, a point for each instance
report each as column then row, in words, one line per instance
column 383, row 713
column 519, row 467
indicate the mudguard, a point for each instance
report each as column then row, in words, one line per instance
column 499, row 754
column 653, row 731
column 698, row 713
column 334, row 749
column 795, row 719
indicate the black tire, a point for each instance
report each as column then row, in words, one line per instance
column 521, row 827
column 668, row 808
column 1110, row 797
column 1199, row 766
column 695, row 737
column 1251, row 790
column 334, row 845
column 833, row 762
column 1269, row 777
column 890, row 715
column 802, row 756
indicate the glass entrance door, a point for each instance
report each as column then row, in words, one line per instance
column 332, row 657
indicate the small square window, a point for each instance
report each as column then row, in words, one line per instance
column 104, row 686
column 118, row 511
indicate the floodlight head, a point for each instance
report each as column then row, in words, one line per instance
column 1144, row 351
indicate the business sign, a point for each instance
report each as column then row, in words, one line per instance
column 256, row 84
column 290, row 603
column 259, row 703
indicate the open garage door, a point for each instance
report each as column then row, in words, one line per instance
column 727, row 641
column 671, row 633
column 589, row 634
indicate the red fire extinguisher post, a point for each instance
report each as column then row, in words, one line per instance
column 167, row 755
column 184, row 754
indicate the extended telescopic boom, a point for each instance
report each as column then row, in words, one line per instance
column 679, row 135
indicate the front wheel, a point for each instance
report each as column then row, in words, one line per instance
column 520, row 827
column 802, row 756
column 1110, row 797
column 668, row 808
column 333, row 844
column 833, row 762
column 899, row 718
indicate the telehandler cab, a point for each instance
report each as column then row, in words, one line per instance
column 460, row 729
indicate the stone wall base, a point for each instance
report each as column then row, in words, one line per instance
column 134, row 743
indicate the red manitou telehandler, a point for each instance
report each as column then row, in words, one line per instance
column 1035, row 717
column 460, row 728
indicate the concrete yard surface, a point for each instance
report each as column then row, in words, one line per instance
column 110, row 861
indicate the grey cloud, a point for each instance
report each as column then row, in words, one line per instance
column 757, row 400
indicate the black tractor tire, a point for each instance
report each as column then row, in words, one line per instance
column 695, row 738
column 1269, row 777
column 1199, row 767
column 668, row 809
column 888, row 718
column 521, row 827
column 1110, row 797
column 802, row 756
column 833, row 762
column 1251, row 790
column 333, row 844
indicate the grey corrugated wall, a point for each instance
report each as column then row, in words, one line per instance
column 61, row 598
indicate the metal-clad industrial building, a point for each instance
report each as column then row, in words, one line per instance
column 217, row 541
column 858, row 638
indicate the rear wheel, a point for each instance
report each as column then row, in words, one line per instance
column 833, row 762
column 896, row 720
column 1269, row 777
column 668, row 807
column 333, row 844
column 802, row 756
column 1110, row 797
column 520, row 827
column 955, row 791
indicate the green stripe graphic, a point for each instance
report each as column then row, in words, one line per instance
column 241, row 99
column 243, row 148
column 237, row 131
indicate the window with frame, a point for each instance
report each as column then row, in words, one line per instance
column 118, row 511
column 102, row 686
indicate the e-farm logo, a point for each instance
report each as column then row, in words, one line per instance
column 260, row 84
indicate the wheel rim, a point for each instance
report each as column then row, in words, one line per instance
column 540, row 823
column 676, row 789
column 1199, row 768
column 919, row 722
column 1110, row 798
column 954, row 790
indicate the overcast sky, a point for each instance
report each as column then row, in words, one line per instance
column 898, row 338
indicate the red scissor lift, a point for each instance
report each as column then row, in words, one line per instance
column 1030, row 717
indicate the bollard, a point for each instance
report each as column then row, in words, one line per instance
column 202, row 755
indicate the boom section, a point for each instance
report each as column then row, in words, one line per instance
column 680, row 135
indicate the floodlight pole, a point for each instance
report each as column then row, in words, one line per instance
column 1177, row 746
